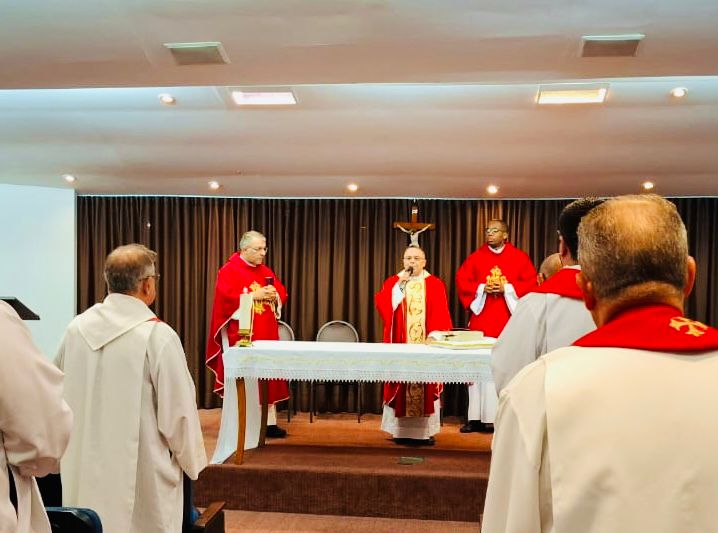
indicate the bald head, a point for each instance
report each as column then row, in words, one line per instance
column 629, row 241
column 550, row 266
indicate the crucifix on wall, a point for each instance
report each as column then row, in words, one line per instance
column 413, row 228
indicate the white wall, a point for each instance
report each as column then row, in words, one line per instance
column 37, row 257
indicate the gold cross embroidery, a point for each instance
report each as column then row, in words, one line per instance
column 695, row 328
column 496, row 276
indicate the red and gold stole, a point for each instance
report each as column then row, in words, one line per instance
column 657, row 328
column 415, row 318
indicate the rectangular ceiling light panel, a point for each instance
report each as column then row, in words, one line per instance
column 245, row 97
column 572, row 94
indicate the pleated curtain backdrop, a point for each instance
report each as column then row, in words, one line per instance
column 331, row 254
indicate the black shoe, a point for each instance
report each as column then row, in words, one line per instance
column 415, row 442
column 275, row 432
column 472, row 426
column 486, row 428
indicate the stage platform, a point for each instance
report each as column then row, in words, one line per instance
column 336, row 466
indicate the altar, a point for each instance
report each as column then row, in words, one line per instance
column 243, row 419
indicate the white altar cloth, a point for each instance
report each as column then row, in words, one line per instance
column 336, row 361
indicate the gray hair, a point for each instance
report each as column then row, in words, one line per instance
column 632, row 240
column 248, row 237
column 126, row 266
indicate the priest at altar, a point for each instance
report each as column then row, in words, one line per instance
column 490, row 283
column 412, row 304
column 246, row 273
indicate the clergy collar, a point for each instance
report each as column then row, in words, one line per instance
column 247, row 262
column 497, row 250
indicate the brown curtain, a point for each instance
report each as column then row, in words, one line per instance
column 332, row 255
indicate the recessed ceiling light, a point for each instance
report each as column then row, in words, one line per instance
column 259, row 98
column 167, row 99
column 679, row 92
column 571, row 94
column 492, row 189
column 69, row 178
column 353, row 187
column 648, row 185
column 214, row 185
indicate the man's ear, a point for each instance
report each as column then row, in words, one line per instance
column 563, row 249
column 690, row 275
column 586, row 286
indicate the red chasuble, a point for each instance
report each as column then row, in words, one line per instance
column 437, row 318
column 512, row 264
column 232, row 279
column 562, row 283
column 656, row 328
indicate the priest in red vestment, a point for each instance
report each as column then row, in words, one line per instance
column 492, row 279
column 490, row 283
column 412, row 304
column 245, row 271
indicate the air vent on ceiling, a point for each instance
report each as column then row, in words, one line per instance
column 211, row 53
column 610, row 45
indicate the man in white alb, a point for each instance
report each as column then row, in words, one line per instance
column 136, row 423
column 552, row 315
column 35, row 424
column 616, row 433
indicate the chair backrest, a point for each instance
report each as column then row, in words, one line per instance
column 337, row 331
column 286, row 333
column 73, row 520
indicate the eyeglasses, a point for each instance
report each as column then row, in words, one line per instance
column 492, row 231
column 156, row 276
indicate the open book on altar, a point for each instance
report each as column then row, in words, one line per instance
column 459, row 339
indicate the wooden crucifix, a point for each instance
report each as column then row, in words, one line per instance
column 414, row 227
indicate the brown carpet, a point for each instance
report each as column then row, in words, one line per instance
column 256, row 522
column 338, row 467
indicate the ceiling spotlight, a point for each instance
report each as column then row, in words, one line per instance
column 214, row 185
column 648, row 185
column 492, row 189
column 679, row 92
column 69, row 178
column 352, row 187
column 167, row 99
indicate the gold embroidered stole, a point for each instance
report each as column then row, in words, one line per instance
column 415, row 318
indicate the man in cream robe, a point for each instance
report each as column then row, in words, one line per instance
column 35, row 424
column 137, row 427
column 551, row 316
column 616, row 434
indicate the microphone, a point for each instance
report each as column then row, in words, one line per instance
column 402, row 284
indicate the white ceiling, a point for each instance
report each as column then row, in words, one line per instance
column 406, row 98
